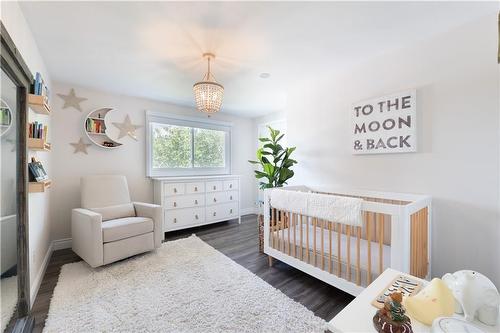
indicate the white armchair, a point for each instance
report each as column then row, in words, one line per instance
column 109, row 227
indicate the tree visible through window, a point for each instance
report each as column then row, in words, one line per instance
column 177, row 147
column 208, row 148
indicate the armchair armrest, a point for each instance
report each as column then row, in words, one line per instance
column 154, row 212
column 86, row 233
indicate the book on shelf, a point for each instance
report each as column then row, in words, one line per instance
column 95, row 126
column 40, row 88
column 37, row 130
column 36, row 171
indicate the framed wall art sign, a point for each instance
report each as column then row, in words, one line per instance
column 386, row 124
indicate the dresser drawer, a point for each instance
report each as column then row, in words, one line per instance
column 183, row 217
column 231, row 184
column 214, row 186
column 193, row 188
column 231, row 196
column 174, row 189
column 184, row 201
column 223, row 211
column 221, row 197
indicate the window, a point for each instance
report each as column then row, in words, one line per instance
column 184, row 146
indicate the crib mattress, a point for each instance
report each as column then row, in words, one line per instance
column 363, row 247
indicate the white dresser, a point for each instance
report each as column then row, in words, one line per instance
column 193, row 201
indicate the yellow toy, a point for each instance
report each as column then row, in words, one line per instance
column 435, row 300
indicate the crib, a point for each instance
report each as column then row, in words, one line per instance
column 395, row 232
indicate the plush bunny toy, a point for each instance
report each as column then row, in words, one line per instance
column 475, row 295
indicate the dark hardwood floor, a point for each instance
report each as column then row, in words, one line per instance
column 240, row 243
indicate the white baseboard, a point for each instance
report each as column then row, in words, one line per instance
column 55, row 245
column 60, row 244
column 251, row 210
column 35, row 286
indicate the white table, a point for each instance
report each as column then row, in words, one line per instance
column 358, row 315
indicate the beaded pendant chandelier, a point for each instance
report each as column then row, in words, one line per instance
column 208, row 93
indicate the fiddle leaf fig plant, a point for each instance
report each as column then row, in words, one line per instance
column 275, row 161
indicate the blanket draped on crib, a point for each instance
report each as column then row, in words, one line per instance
column 328, row 207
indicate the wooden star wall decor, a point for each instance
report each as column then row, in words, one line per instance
column 71, row 100
column 80, row 146
column 127, row 128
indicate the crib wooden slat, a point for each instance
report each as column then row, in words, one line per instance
column 425, row 246
column 301, row 243
column 330, row 247
column 348, row 250
column 278, row 227
column 314, row 240
column 369, row 243
column 358, row 256
column 380, row 229
column 417, row 243
column 307, row 239
column 420, row 223
column 294, row 220
column 273, row 226
column 339, row 243
column 413, row 228
column 322, row 244
column 282, row 217
column 288, row 231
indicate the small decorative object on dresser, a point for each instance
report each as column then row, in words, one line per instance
column 475, row 296
column 193, row 201
column 435, row 300
column 391, row 318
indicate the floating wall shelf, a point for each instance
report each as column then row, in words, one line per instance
column 38, row 187
column 95, row 126
column 38, row 144
column 39, row 104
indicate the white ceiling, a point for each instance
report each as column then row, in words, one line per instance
column 153, row 49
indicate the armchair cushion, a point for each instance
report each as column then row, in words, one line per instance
column 116, row 211
column 154, row 212
column 118, row 229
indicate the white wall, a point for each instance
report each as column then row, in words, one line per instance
column 129, row 159
column 456, row 77
column 39, row 224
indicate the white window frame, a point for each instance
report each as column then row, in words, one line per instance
column 197, row 122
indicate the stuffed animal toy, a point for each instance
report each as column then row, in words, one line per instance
column 475, row 296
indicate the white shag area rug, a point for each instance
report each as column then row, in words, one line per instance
column 8, row 297
column 185, row 286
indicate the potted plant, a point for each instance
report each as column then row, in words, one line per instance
column 274, row 160
column 275, row 169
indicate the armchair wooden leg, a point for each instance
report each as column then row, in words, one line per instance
column 270, row 260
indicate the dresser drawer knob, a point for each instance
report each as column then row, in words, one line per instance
column 196, row 216
column 175, row 190
column 196, row 202
column 215, row 199
column 196, row 188
column 230, row 185
column 175, row 220
column 175, row 204
column 231, row 211
column 231, row 198
column 215, row 214
column 215, row 187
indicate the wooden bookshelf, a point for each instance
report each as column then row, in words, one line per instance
column 39, row 187
column 38, row 104
column 38, row 144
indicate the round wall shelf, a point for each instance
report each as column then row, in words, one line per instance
column 95, row 126
column 5, row 117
